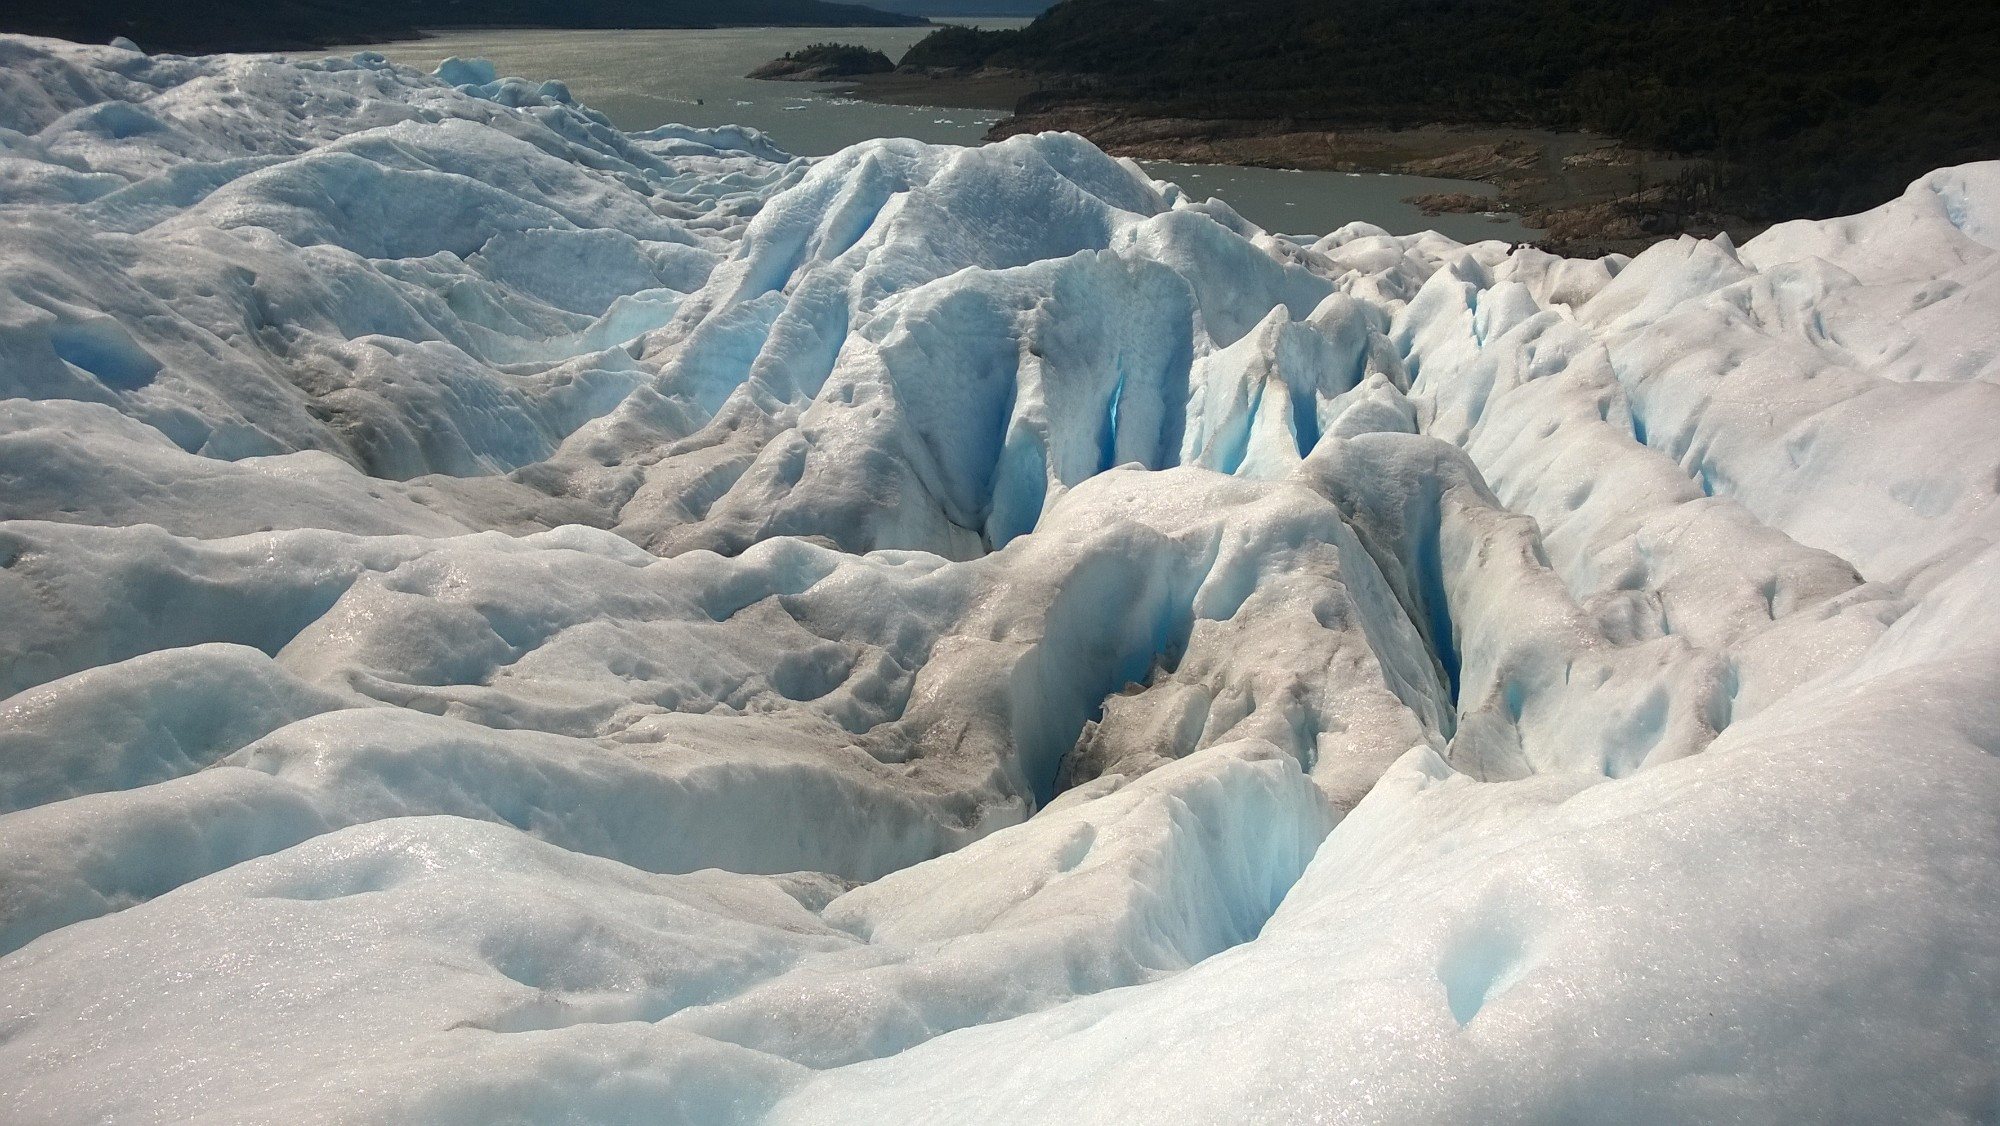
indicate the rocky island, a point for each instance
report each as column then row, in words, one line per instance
column 821, row 62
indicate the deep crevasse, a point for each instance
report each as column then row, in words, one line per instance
column 510, row 619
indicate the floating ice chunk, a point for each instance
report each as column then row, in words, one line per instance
column 456, row 71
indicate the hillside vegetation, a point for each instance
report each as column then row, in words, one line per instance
column 1812, row 107
column 821, row 61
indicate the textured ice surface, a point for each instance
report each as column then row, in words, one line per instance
column 507, row 620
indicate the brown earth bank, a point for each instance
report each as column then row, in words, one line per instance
column 1449, row 203
column 1589, row 194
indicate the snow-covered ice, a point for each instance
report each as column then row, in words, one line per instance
column 503, row 619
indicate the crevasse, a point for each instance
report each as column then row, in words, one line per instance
column 506, row 619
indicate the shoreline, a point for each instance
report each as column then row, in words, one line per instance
column 1589, row 195
column 284, row 44
column 992, row 90
column 1580, row 189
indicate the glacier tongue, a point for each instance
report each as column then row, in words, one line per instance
column 507, row 619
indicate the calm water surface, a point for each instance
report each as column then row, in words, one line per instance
column 640, row 79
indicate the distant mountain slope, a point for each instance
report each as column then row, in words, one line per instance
column 273, row 25
column 964, row 9
column 1831, row 105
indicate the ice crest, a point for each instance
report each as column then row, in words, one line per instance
column 507, row 619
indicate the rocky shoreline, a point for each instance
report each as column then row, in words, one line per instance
column 1588, row 194
column 991, row 88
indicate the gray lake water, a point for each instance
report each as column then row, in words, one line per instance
column 641, row 79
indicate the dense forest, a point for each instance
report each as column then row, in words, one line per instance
column 1808, row 107
column 280, row 25
column 821, row 61
column 965, row 9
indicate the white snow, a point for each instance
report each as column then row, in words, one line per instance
column 507, row 620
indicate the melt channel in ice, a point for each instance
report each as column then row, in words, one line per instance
column 503, row 619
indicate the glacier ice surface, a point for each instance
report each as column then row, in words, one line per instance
column 503, row 619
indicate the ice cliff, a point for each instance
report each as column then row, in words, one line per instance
column 503, row 619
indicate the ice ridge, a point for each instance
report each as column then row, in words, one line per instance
column 504, row 619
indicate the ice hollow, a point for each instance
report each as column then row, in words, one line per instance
column 507, row 619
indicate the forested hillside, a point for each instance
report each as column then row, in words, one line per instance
column 1815, row 106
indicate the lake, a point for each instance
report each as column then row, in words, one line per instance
column 644, row 78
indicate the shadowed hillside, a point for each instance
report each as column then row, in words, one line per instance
column 1815, row 107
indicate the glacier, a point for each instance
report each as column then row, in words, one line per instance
column 508, row 620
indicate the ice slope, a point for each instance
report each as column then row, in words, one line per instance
column 508, row 620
